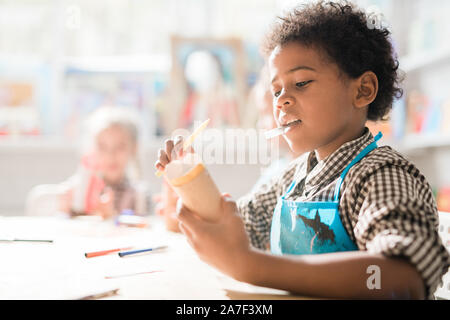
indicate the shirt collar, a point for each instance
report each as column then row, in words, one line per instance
column 331, row 167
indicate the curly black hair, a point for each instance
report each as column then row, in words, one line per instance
column 343, row 32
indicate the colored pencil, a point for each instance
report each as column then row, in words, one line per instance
column 26, row 240
column 104, row 252
column 132, row 252
column 100, row 295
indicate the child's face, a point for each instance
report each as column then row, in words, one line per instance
column 114, row 149
column 306, row 87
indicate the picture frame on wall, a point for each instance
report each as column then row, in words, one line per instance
column 207, row 80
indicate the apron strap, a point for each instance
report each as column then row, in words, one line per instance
column 358, row 158
column 361, row 155
column 289, row 189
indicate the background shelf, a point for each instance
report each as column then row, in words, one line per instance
column 420, row 61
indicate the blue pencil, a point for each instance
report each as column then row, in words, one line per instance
column 127, row 253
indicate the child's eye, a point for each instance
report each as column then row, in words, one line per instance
column 302, row 83
column 276, row 94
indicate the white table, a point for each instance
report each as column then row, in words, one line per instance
column 59, row 270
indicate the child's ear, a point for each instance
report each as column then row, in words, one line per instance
column 366, row 89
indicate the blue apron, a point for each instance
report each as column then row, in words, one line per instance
column 312, row 227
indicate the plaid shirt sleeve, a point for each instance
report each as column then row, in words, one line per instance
column 398, row 218
column 256, row 208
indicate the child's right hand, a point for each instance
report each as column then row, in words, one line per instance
column 105, row 206
column 173, row 150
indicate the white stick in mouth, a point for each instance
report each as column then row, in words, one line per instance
column 278, row 131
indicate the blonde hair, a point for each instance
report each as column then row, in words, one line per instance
column 113, row 116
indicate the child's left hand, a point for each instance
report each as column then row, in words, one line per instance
column 223, row 244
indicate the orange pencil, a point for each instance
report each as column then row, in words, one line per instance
column 104, row 252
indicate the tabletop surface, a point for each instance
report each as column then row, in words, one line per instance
column 60, row 270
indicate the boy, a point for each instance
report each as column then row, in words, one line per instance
column 345, row 207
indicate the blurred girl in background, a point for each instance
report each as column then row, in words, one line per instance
column 107, row 182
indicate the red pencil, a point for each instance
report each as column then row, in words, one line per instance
column 104, row 252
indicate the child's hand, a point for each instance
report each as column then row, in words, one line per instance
column 105, row 207
column 223, row 244
column 173, row 150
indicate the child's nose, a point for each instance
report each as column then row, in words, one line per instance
column 285, row 100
